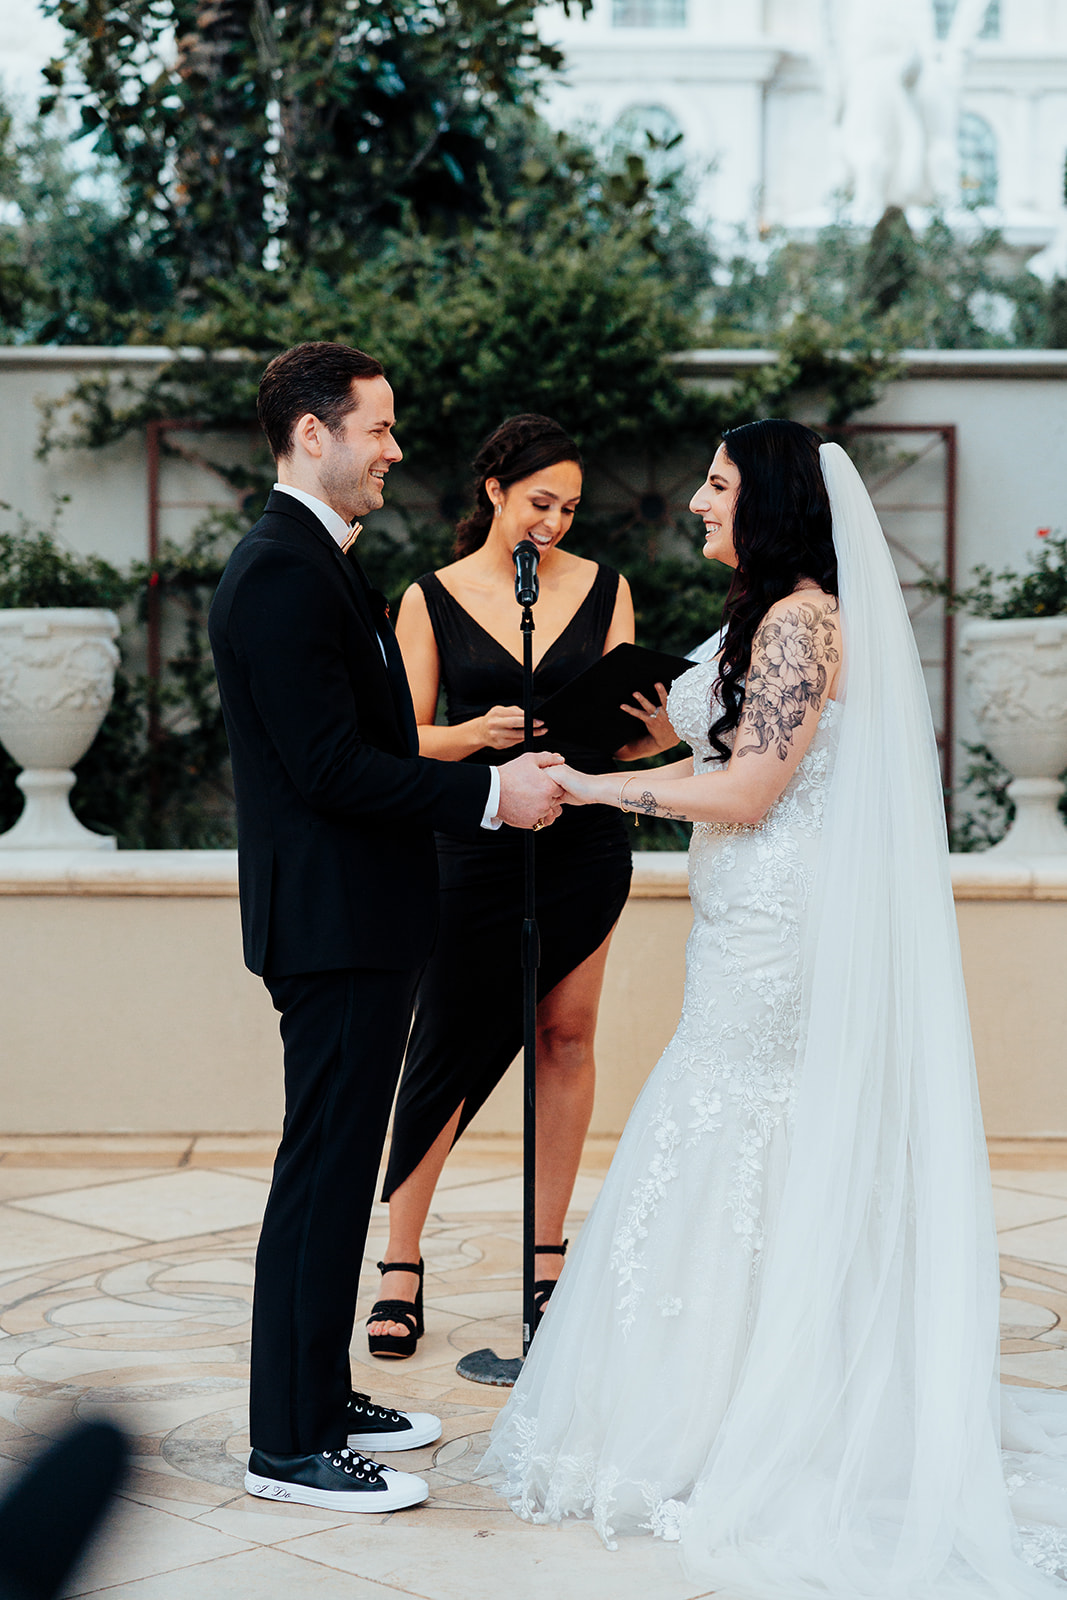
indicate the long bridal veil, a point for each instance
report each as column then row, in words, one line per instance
column 861, row 1454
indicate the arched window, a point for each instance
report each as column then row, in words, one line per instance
column 945, row 10
column 648, row 13
column 653, row 133
column 978, row 161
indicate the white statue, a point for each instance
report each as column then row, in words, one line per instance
column 1051, row 262
column 895, row 91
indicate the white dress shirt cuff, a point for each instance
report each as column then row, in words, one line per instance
column 490, row 819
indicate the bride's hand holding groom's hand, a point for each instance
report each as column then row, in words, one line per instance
column 587, row 788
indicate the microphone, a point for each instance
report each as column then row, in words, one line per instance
column 526, row 556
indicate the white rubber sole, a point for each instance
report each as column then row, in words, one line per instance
column 425, row 1429
column 404, row 1489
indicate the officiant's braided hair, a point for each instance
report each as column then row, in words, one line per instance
column 517, row 449
column 782, row 533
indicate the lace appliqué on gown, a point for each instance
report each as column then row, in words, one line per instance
column 1044, row 1545
column 683, row 1213
column 1045, row 1549
column 736, row 1059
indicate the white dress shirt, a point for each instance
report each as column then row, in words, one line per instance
column 341, row 533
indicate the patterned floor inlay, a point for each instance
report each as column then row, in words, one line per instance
column 125, row 1290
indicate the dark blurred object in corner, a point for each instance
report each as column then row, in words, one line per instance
column 49, row 1516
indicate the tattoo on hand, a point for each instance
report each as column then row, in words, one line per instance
column 646, row 803
column 788, row 676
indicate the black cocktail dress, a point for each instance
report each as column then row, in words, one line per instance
column 467, row 1027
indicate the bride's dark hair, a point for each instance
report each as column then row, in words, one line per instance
column 782, row 533
column 517, row 449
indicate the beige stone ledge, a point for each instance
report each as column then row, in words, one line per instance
column 716, row 363
column 658, row 874
column 1048, row 364
column 1027, row 1155
column 978, row 876
column 198, row 874
column 138, row 1150
column 986, row 875
column 66, row 357
column 255, row 1150
column 258, row 1150
column 97, row 1150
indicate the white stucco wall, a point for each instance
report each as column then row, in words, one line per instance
column 1012, row 464
column 107, row 512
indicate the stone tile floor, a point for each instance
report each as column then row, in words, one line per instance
column 125, row 1279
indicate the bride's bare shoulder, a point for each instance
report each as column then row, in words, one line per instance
column 806, row 610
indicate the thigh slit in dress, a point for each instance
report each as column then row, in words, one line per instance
column 467, row 1027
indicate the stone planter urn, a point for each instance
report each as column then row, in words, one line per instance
column 57, row 676
column 1016, row 677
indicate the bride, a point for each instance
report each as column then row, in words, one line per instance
column 777, row 1339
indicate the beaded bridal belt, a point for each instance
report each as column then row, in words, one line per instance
column 715, row 828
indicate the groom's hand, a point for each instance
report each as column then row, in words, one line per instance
column 528, row 792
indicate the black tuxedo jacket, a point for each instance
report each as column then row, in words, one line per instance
column 335, row 808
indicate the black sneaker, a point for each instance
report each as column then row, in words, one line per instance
column 374, row 1427
column 337, row 1480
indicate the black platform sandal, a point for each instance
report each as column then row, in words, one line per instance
column 543, row 1287
column 397, row 1346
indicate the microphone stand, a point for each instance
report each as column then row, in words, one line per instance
column 531, row 960
column 485, row 1366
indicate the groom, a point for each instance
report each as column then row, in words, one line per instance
column 338, row 881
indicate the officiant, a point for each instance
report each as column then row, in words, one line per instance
column 458, row 629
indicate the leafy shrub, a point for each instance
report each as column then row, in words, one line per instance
column 1041, row 592
column 888, row 288
column 36, row 571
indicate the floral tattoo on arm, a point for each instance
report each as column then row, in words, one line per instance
column 788, row 676
column 648, row 805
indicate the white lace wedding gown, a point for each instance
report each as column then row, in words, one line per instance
column 776, row 1339
column 635, row 1363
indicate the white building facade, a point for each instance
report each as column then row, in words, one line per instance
column 793, row 103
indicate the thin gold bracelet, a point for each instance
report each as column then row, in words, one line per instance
column 622, row 791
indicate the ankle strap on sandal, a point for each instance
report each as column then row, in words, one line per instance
column 401, row 1266
column 551, row 1249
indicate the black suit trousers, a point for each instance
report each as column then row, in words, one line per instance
column 344, row 1035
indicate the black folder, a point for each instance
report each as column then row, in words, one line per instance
column 586, row 710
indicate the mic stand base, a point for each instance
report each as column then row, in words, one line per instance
column 485, row 1366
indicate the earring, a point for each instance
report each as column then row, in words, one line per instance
column 498, row 510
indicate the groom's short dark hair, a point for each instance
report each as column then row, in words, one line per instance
column 315, row 377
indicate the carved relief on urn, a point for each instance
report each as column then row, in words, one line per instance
column 57, row 676
column 1016, row 677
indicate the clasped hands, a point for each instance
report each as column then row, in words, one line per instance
column 536, row 786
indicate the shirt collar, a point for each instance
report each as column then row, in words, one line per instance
column 332, row 521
